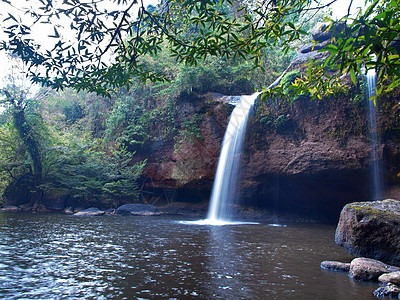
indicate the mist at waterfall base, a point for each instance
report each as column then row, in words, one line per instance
column 220, row 211
column 376, row 182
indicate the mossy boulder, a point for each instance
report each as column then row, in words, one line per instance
column 371, row 229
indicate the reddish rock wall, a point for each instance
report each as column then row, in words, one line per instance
column 314, row 162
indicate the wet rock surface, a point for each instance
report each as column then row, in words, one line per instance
column 389, row 290
column 393, row 277
column 335, row 266
column 10, row 208
column 137, row 209
column 367, row 269
column 92, row 211
column 371, row 229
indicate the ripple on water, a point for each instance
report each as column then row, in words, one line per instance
column 212, row 222
column 57, row 256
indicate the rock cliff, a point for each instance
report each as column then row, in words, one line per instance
column 310, row 157
column 315, row 161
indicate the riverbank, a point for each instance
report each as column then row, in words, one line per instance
column 184, row 209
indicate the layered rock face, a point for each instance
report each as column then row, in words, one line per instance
column 310, row 164
column 186, row 171
column 371, row 229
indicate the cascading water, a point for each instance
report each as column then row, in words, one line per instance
column 226, row 177
column 225, row 181
column 375, row 180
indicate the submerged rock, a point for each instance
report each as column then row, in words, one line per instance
column 335, row 266
column 393, row 277
column 137, row 209
column 371, row 229
column 390, row 290
column 368, row 269
column 92, row 211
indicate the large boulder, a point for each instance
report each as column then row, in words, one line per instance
column 368, row 269
column 371, row 229
column 137, row 209
column 188, row 209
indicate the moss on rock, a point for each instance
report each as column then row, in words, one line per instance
column 371, row 229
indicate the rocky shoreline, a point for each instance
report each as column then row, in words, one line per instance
column 371, row 232
column 185, row 209
column 367, row 269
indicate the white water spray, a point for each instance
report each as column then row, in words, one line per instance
column 225, row 182
column 376, row 180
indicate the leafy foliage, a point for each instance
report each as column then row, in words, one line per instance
column 189, row 133
column 71, row 159
column 369, row 40
column 192, row 31
column 14, row 160
column 91, row 176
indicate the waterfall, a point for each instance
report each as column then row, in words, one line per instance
column 225, row 182
column 375, row 176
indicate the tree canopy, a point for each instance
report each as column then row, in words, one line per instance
column 192, row 31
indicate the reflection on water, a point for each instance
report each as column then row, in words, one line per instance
column 115, row 257
column 213, row 222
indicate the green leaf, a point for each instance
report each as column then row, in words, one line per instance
column 353, row 76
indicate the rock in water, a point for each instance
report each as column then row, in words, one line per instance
column 335, row 266
column 393, row 277
column 92, row 211
column 10, row 208
column 390, row 290
column 368, row 269
column 137, row 209
column 371, row 229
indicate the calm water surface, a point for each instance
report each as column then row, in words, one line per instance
column 116, row 257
